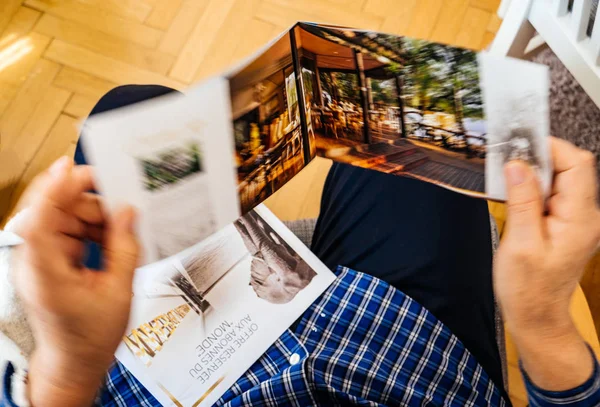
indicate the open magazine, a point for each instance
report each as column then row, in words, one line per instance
column 402, row 106
column 193, row 164
column 201, row 318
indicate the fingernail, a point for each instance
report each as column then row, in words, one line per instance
column 129, row 216
column 59, row 166
column 517, row 173
column 132, row 220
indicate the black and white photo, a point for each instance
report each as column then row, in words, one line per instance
column 518, row 125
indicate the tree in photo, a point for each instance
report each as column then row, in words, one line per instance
column 341, row 86
column 442, row 78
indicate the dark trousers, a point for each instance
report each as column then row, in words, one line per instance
column 432, row 244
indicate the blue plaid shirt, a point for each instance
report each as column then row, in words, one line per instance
column 363, row 343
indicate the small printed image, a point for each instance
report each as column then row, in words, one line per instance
column 517, row 141
column 171, row 166
column 519, row 124
column 521, row 145
column 277, row 273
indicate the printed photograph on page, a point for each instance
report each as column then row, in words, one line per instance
column 179, row 211
column 201, row 318
column 410, row 107
column 519, row 121
column 269, row 144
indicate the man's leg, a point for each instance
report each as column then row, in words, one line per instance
column 432, row 244
column 117, row 97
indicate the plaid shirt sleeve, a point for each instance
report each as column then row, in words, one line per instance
column 588, row 394
column 6, row 399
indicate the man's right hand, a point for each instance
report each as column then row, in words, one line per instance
column 77, row 315
column 540, row 261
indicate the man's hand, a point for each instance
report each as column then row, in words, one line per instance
column 541, row 260
column 78, row 316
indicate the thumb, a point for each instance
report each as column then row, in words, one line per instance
column 121, row 246
column 525, row 204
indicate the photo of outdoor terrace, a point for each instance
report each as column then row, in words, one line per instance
column 393, row 104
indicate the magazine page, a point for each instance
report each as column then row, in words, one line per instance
column 393, row 104
column 389, row 103
column 170, row 157
column 267, row 126
column 518, row 120
column 201, row 318
column 429, row 111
